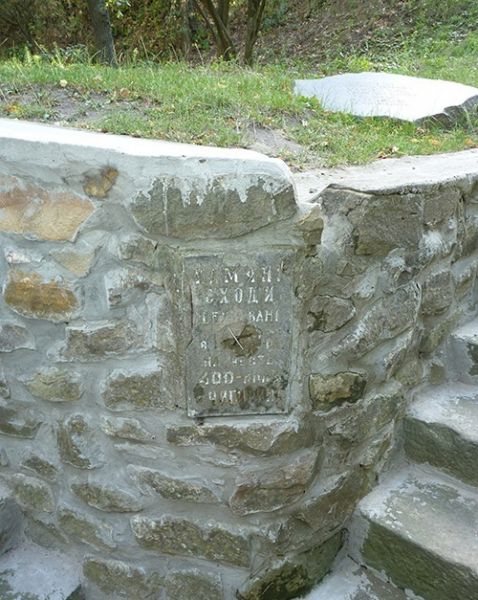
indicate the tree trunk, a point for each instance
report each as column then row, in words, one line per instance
column 255, row 12
column 186, row 28
column 226, row 48
column 102, row 31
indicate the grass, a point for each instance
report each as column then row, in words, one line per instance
column 221, row 104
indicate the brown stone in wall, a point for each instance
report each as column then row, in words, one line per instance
column 106, row 497
column 100, row 340
column 99, row 184
column 193, row 585
column 183, row 537
column 272, row 437
column 289, row 578
column 328, row 313
column 327, row 391
column 18, row 422
column 136, row 390
column 39, row 213
column 267, row 490
column 438, row 292
column 78, row 263
column 119, row 579
column 41, row 466
column 30, row 295
column 173, row 488
column 32, row 493
column 55, row 385
column 14, row 337
column 85, row 528
column 77, row 445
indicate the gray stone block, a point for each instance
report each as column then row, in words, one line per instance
column 441, row 428
column 420, row 529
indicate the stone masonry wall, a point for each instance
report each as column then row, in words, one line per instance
column 202, row 373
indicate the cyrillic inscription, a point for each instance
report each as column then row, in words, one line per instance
column 238, row 357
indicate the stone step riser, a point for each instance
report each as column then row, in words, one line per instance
column 462, row 359
column 441, row 447
column 412, row 567
column 419, row 528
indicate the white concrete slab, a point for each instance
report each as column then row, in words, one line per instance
column 389, row 95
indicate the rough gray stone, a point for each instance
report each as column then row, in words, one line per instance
column 126, row 428
column 173, row 488
column 85, row 528
column 325, row 510
column 139, row 249
column 271, row 489
column 31, row 493
column 327, row 391
column 43, row 530
column 388, row 317
column 193, row 585
column 101, row 340
column 438, row 292
column 125, row 286
column 55, row 385
column 23, row 423
column 183, row 537
column 77, row 443
column 119, row 579
column 390, row 95
column 41, row 466
column 289, row 578
column 106, row 497
column 14, row 336
column 383, row 223
column 137, row 390
column 274, row 437
column 194, row 209
column 328, row 313
column 4, row 387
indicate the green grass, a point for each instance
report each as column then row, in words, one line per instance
column 220, row 104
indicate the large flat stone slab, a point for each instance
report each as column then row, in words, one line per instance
column 390, row 95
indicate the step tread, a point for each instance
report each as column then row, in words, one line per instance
column 467, row 332
column 453, row 405
column 349, row 581
column 430, row 510
column 31, row 572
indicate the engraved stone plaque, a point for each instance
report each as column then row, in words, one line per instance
column 237, row 361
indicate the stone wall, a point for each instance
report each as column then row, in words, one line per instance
column 202, row 372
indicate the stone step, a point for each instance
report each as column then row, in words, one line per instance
column 463, row 352
column 11, row 522
column 441, row 428
column 420, row 527
column 31, row 572
column 349, row 581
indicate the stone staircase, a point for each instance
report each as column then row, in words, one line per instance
column 416, row 534
column 28, row 571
